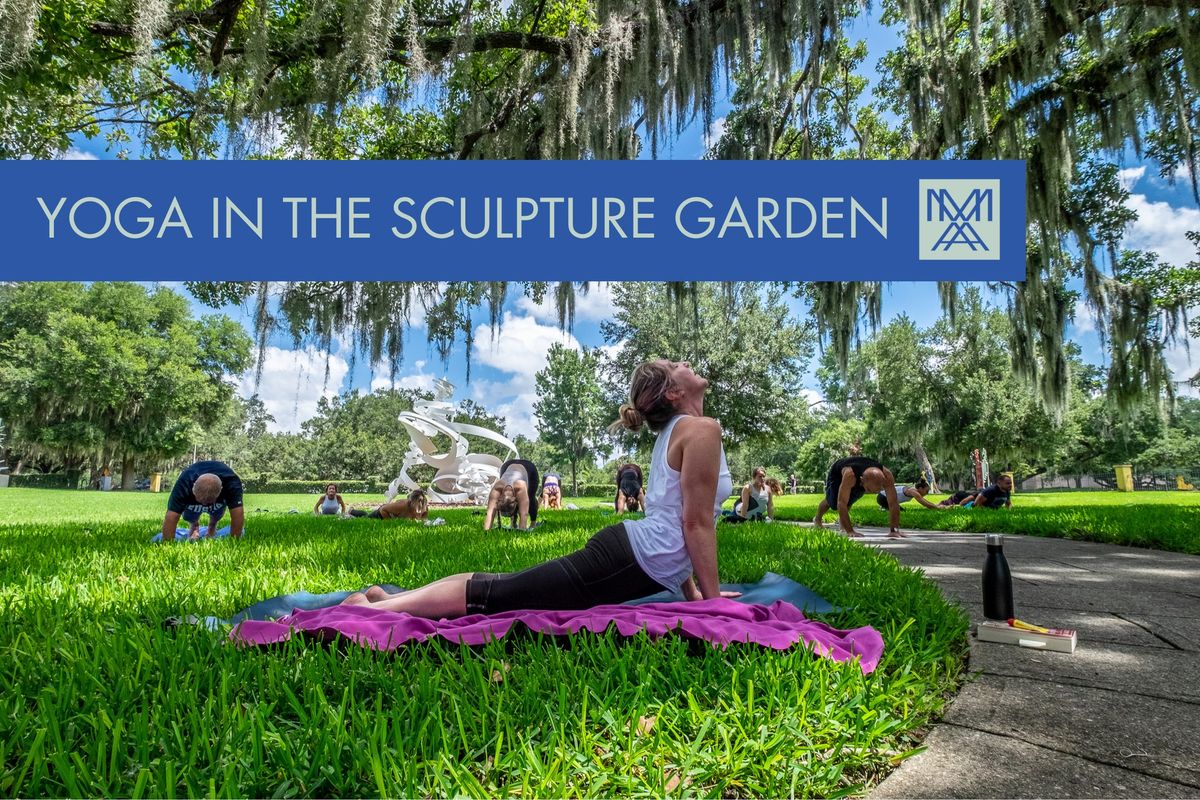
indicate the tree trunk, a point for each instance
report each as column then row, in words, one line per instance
column 127, row 473
column 574, row 482
column 923, row 462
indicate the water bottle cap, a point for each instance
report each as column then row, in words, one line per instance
column 995, row 539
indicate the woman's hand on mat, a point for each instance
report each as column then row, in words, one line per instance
column 731, row 594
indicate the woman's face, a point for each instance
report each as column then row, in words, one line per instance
column 684, row 380
column 760, row 476
column 331, row 490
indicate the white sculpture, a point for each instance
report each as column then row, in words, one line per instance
column 462, row 476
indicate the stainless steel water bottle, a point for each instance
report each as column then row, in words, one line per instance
column 997, row 581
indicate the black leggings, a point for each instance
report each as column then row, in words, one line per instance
column 604, row 571
column 533, row 487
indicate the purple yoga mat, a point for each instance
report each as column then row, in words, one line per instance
column 719, row 621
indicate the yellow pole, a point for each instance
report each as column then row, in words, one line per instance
column 1124, row 477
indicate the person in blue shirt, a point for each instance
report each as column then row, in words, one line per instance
column 206, row 487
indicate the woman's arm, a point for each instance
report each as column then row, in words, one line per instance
column 698, row 473
column 642, row 500
column 619, row 504
column 317, row 507
column 491, row 508
column 923, row 501
column 523, row 507
column 770, row 504
column 341, row 504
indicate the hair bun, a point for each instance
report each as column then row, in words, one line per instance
column 631, row 418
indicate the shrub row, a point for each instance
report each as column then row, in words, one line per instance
column 47, row 480
column 312, row 486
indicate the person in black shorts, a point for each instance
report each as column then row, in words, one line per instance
column 630, row 495
column 206, row 487
column 635, row 557
column 958, row 498
column 851, row 478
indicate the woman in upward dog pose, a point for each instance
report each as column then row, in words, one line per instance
column 673, row 547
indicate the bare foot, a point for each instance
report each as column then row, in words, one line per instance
column 854, row 534
column 897, row 535
column 356, row 599
column 817, row 523
column 376, row 593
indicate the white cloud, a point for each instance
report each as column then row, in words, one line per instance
column 1129, row 177
column 292, row 383
column 1162, row 228
column 594, row 306
column 75, row 154
column 416, row 380
column 519, row 351
column 1184, row 364
column 519, row 346
column 715, row 131
column 812, row 397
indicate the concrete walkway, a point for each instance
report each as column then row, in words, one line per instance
column 1118, row 718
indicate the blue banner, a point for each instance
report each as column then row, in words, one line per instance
column 513, row 220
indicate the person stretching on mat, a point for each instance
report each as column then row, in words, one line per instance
column 631, row 496
column 998, row 495
column 674, row 546
column 206, row 487
column 757, row 498
column 552, row 492
column 415, row 506
column 905, row 493
column 851, row 478
column 958, row 498
column 330, row 503
column 514, row 494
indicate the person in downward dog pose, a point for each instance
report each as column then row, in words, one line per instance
column 552, row 492
column 631, row 496
column 674, row 546
column 851, row 478
column 514, row 494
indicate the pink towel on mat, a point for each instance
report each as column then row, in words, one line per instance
column 719, row 621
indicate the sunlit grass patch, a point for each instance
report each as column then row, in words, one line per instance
column 102, row 700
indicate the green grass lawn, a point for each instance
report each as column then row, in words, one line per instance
column 100, row 699
column 1161, row 520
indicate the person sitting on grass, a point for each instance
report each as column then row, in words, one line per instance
column 757, row 500
column 851, row 478
column 998, row 495
column 631, row 496
column 206, row 487
column 330, row 503
column 904, row 493
column 552, row 492
column 674, row 546
column 514, row 494
column 415, row 506
column 959, row 498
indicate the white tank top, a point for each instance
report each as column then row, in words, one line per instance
column 657, row 539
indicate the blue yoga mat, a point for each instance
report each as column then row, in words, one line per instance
column 772, row 587
column 181, row 535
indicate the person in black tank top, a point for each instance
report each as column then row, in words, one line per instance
column 851, row 478
column 631, row 496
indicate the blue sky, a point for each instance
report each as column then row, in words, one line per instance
column 503, row 365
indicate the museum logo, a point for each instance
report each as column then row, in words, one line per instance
column 959, row 220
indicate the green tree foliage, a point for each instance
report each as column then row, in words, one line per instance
column 236, row 432
column 570, row 407
column 111, row 368
column 749, row 346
